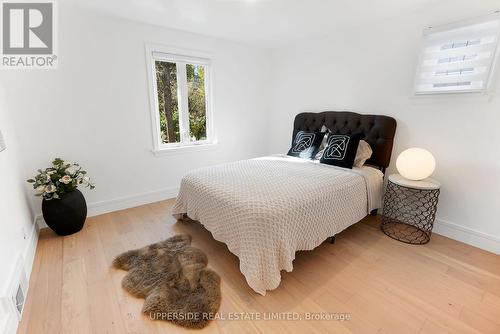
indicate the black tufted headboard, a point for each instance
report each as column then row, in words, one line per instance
column 377, row 130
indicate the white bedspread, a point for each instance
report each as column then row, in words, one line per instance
column 268, row 208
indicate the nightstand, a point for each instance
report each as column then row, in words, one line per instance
column 409, row 209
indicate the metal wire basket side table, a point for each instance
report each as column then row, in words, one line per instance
column 409, row 209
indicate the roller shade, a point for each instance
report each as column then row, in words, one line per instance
column 458, row 59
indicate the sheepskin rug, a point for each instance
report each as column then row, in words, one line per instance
column 173, row 279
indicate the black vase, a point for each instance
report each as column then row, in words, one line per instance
column 66, row 215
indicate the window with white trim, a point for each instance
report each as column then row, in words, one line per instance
column 458, row 58
column 180, row 100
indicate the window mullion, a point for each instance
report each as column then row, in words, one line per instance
column 182, row 99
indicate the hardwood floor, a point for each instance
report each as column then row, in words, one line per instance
column 386, row 286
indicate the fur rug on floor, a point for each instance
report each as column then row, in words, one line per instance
column 173, row 279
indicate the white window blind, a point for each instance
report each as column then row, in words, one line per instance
column 458, row 58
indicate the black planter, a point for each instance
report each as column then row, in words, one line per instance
column 66, row 215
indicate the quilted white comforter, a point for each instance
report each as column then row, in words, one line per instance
column 268, row 208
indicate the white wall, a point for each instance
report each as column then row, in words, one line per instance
column 17, row 235
column 371, row 70
column 94, row 109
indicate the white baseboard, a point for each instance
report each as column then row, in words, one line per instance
column 467, row 235
column 8, row 324
column 9, row 319
column 99, row 208
column 30, row 249
column 451, row 230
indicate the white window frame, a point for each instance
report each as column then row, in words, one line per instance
column 491, row 69
column 156, row 52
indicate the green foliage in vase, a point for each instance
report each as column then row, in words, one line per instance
column 62, row 177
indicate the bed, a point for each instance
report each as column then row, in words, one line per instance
column 266, row 209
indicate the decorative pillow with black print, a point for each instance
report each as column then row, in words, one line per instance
column 340, row 150
column 306, row 144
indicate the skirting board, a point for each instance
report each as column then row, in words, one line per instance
column 8, row 320
column 30, row 249
column 467, row 235
column 443, row 227
column 8, row 324
column 121, row 203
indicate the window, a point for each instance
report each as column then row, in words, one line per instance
column 180, row 99
column 458, row 58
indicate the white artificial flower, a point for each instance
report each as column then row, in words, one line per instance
column 50, row 188
column 39, row 190
column 70, row 170
column 87, row 182
column 65, row 179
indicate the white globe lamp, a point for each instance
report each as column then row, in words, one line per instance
column 415, row 164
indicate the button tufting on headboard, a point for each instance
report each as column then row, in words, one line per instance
column 377, row 130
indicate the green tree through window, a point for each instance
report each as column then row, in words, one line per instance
column 166, row 79
column 196, row 102
column 168, row 104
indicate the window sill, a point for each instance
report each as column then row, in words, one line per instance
column 184, row 149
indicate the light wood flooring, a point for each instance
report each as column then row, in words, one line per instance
column 386, row 286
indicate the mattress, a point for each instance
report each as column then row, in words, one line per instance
column 266, row 209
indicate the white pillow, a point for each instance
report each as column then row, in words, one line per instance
column 323, row 143
column 363, row 153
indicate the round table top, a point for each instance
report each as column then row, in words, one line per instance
column 426, row 184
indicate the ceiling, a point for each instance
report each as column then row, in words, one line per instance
column 267, row 23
